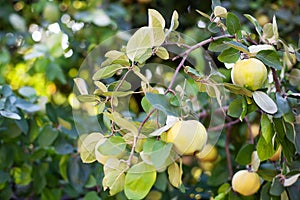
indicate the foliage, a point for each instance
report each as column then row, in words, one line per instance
column 42, row 155
column 272, row 105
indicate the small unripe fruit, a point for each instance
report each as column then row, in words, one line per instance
column 245, row 182
column 250, row 73
column 188, row 137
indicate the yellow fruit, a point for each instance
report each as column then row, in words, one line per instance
column 187, row 136
column 206, row 166
column 255, row 130
column 250, row 73
column 276, row 155
column 245, row 182
column 208, row 153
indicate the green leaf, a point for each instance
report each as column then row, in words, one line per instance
column 232, row 23
column 22, row 175
column 117, row 94
column 264, row 102
column 270, row 58
column 27, row 91
column 161, row 182
column 125, row 85
column 107, row 72
column 287, row 146
column 162, row 53
column 174, row 21
column 175, row 174
column 161, row 102
column 114, row 178
column 10, row 115
column 115, row 145
column 276, row 187
column 297, row 138
column 155, row 19
column 236, row 89
column 283, row 106
column 91, row 196
column 54, row 71
column 219, row 45
column 88, row 98
column 264, row 150
column 275, row 29
column 264, row 194
column 235, row 109
column 293, row 77
column 137, row 72
column 258, row 28
column 124, row 123
column 267, row 130
column 203, row 14
column 160, row 153
column 143, row 39
column 115, row 57
column 291, row 180
column 245, row 154
column 213, row 27
column 87, row 147
column 78, row 173
column 39, row 177
column 47, row 136
column 239, row 46
column 51, row 194
column 63, row 166
column 81, row 86
column 51, row 113
column 139, row 180
column 230, row 55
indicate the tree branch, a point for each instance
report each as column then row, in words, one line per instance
column 276, row 80
column 223, row 126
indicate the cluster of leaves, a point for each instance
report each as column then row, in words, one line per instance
column 131, row 150
column 38, row 151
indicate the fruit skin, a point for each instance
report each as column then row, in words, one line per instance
column 187, row 136
column 245, row 182
column 250, row 73
column 209, row 153
column 255, row 130
column 276, row 155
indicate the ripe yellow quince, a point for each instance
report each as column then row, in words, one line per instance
column 209, row 153
column 250, row 73
column 246, row 182
column 188, row 137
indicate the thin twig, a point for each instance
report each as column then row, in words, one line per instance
column 200, row 44
column 223, row 126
